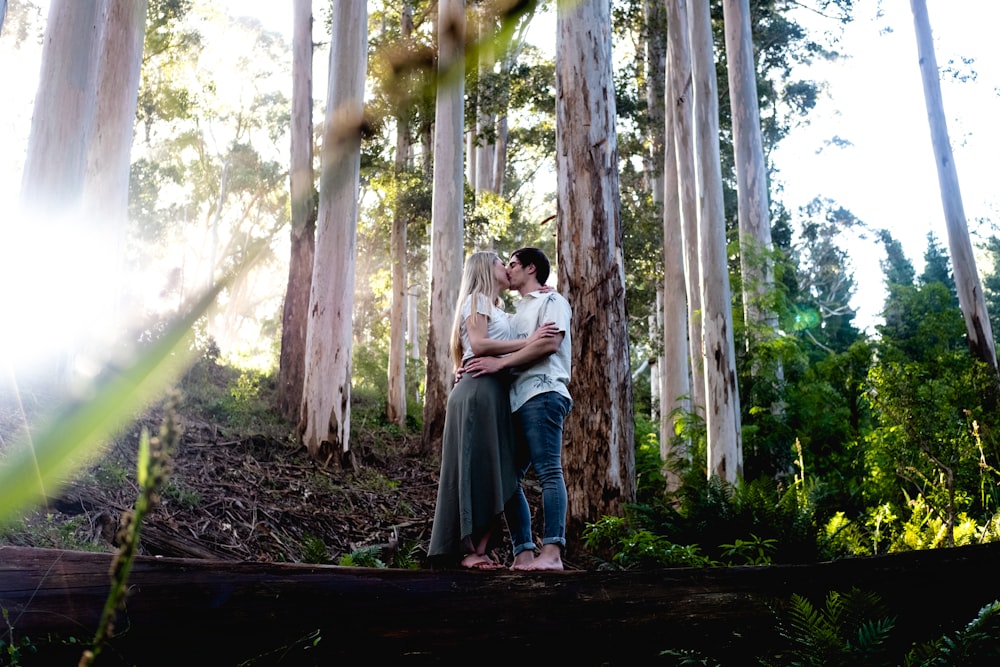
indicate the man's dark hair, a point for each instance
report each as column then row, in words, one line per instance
column 534, row 257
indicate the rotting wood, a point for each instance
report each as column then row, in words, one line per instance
column 225, row 613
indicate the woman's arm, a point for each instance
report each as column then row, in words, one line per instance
column 530, row 353
column 483, row 345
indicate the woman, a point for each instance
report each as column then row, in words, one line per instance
column 478, row 474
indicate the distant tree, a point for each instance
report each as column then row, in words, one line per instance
column 301, row 184
column 991, row 282
column 324, row 422
column 896, row 267
column 599, row 447
column 681, row 100
column 751, row 172
column 722, row 409
column 395, row 404
column 937, row 268
column 675, row 372
column 970, row 291
column 446, row 216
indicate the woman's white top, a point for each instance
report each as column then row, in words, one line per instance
column 497, row 327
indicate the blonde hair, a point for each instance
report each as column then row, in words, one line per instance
column 477, row 280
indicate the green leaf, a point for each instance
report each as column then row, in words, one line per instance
column 38, row 466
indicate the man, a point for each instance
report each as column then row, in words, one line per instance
column 539, row 401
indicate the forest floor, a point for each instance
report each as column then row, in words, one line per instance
column 241, row 488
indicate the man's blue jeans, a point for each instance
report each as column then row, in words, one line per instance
column 538, row 426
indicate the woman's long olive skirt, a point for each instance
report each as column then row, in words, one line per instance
column 478, row 474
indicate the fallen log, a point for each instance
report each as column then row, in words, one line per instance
column 230, row 613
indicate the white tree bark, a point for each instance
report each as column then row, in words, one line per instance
column 598, row 442
column 63, row 117
column 681, row 102
column 395, row 411
column 675, row 380
column 446, row 216
column 295, row 313
column 325, row 419
column 963, row 261
column 109, row 152
column 722, row 410
column 751, row 174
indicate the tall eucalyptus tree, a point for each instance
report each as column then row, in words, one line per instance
column 599, row 432
column 396, row 398
column 680, row 98
column 446, row 216
column 63, row 116
column 751, row 172
column 675, row 373
column 291, row 368
column 325, row 416
column 970, row 290
column 722, row 409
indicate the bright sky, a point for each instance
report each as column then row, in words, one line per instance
column 888, row 178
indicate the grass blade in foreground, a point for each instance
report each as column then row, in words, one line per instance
column 35, row 469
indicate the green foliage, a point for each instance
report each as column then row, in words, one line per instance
column 637, row 549
column 153, row 469
column 314, row 550
column 11, row 647
column 648, row 474
column 978, row 643
column 755, row 551
column 183, row 496
column 241, row 398
column 365, row 557
column 841, row 632
column 40, row 529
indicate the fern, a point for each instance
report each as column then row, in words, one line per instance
column 978, row 643
column 839, row 633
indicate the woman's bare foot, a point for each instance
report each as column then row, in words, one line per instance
column 479, row 562
column 550, row 558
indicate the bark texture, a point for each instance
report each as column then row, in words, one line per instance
column 751, row 173
column 446, row 217
column 294, row 318
column 598, row 442
column 681, row 100
column 722, row 410
column 325, row 418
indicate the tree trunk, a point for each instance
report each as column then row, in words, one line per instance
column 63, row 116
column 395, row 405
column 675, row 376
column 963, row 261
column 681, row 100
column 294, row 318
column 722, row 409
column 106, row 177
column 751, row 174
column 446, row 217
column 325, row 419
column 656, row 54
column 266, row 613
column 598, row 441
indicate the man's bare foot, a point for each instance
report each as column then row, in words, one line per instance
column 523, row 560
column 550, row 558
column 479, row 562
